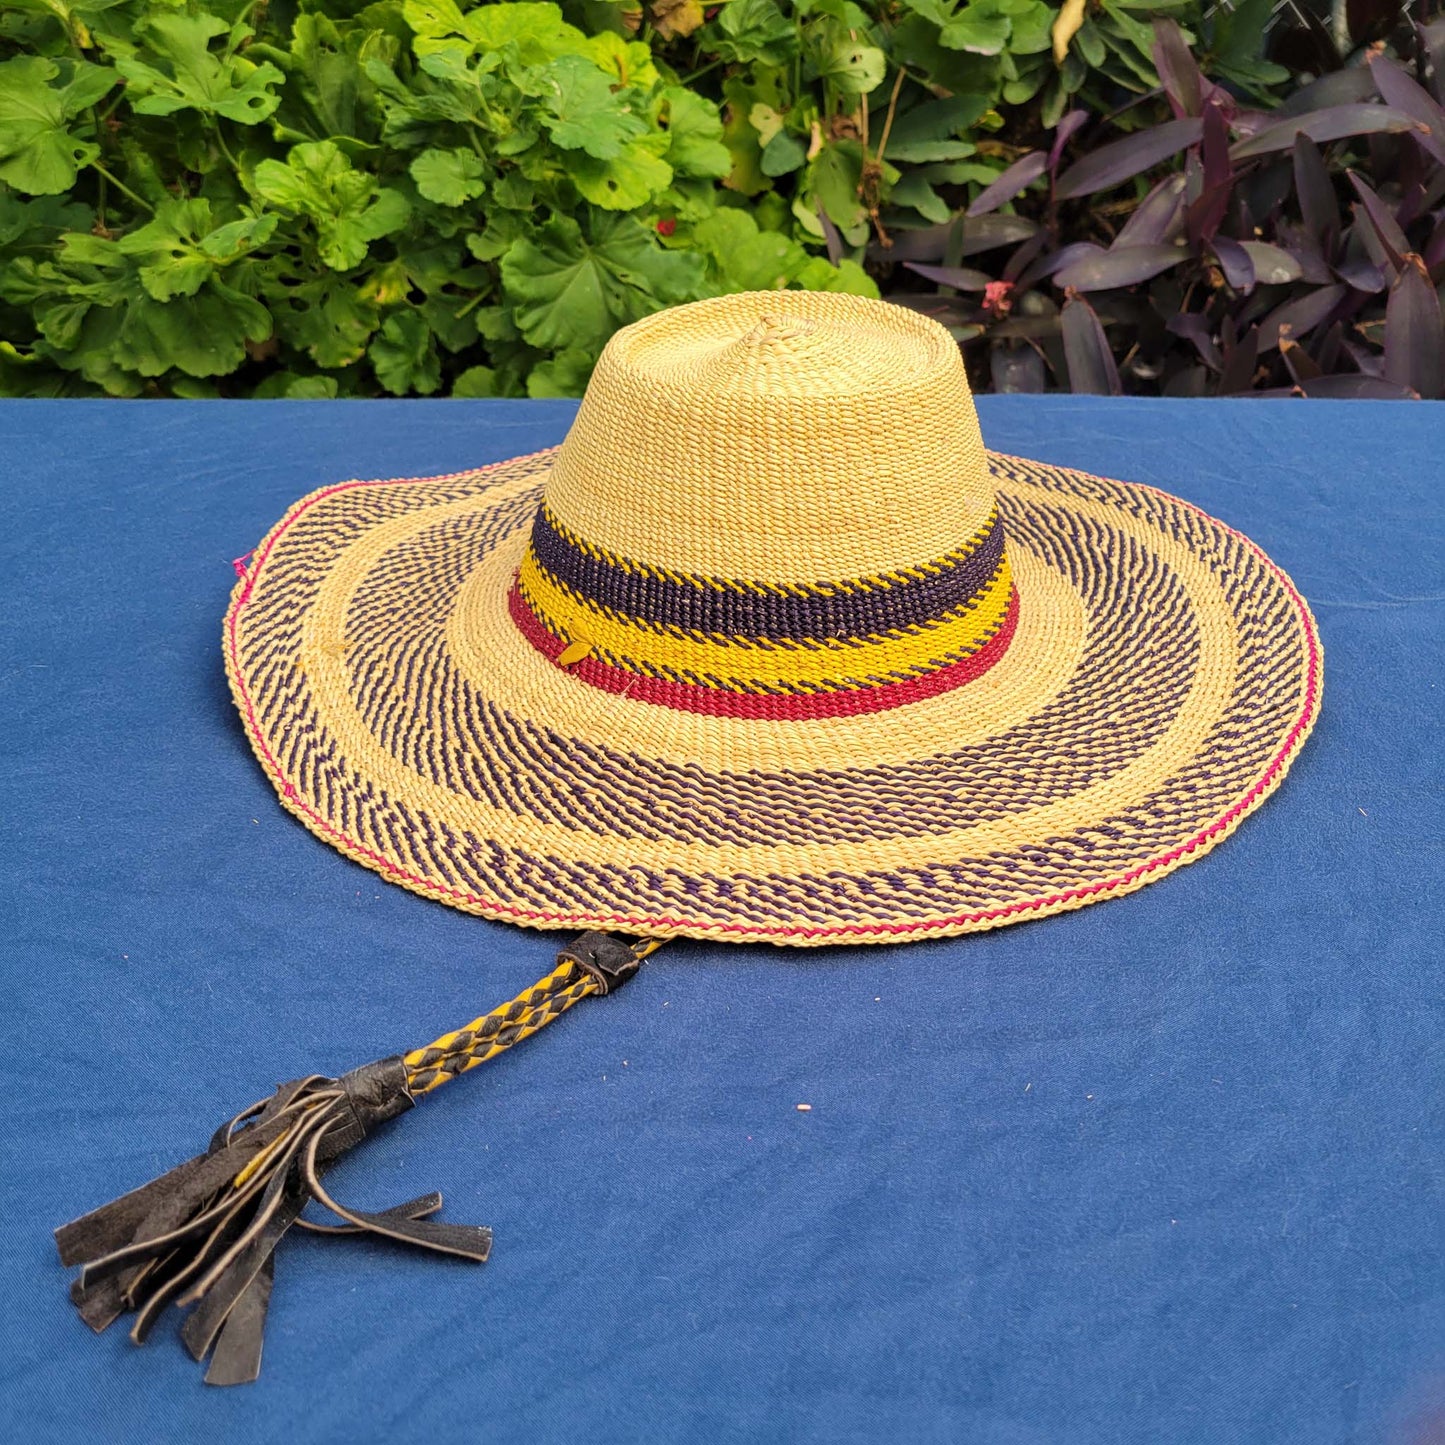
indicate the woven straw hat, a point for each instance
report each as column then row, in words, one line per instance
column 771, row 648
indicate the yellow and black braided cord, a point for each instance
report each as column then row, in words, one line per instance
column 485, row 1037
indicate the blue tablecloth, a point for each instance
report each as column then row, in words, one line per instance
column 1170, row 1169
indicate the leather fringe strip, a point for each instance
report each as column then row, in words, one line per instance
column 205, row 1233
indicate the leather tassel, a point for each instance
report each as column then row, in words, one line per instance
column 205, row 1233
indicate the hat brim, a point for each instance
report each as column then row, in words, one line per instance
column 1161, row 676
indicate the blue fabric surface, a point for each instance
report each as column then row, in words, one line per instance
column 1168, row 1169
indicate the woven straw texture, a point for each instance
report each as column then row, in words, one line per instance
column 770, row 649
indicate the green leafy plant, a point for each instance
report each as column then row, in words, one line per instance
column 408, row 199
column 285, row 198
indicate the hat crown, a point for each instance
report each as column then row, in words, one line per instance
column 779, row 436
column 772, row 505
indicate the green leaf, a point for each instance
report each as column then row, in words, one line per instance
column 476, row 381
column 327, row 317
column 783, row 154
column 571, row 291
column 180, row 250
column 562, row 375
column 695, row 131
column 404, row 356
column 39, row 154
column 348, row 208
column 852, row 69
column 201, row 335
column 740, row 137
column 1031, row 29
column 913, row 190
column 582, row 111
column 931, row 131
column 181, row 73
column 978, row 28
column 327, row 72
column 631, row 180
column 449, row 177
column 833, row 179
column 939, row 12
column 755, row 30
column 537, row 30
column 34, row 224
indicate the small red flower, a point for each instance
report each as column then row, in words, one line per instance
column 667, row 227
column 996, row 297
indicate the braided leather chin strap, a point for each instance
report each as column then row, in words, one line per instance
column 595, row 963
column 205, row 1233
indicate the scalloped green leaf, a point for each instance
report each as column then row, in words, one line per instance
column 39, row 153
column 573, row 291
column 175, row 69
column 449, row 177
column 347, row 207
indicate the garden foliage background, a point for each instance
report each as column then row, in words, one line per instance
column 416, row 197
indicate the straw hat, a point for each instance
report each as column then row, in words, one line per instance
column 770, row 649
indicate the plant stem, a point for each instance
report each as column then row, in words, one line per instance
column 122, row 188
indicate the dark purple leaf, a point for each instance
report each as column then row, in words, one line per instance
column 1121, row 160
column 1299, row 317
column 1273, row 266
column 1010, row 182
column 1017, row 369
column 1432, row 49
column 1126, row 266
column 950, row 311
column 1364, row 237
column 961, row 278
column 1356, row 388
column 1301, row 245
column 1398, row 90
column 1263, row 191
column 1204, row 214
column 1327, row 352
column 1391, row 237
column 1302, row 366
column 1194, row 326
column 927, row 243
column 1178, row 72
column 1239, row 359
column 1086, row 352
column 987, row 233
column 1340, row 87
column 1045, row 266
column 1028, row 327
column 1063, row 133
column 1369, row 362
column 1235, row 263
column 1322, row 125
column 1361, row 273
column 1156, row 219
column 1434, row 253
column 1415, row 334
column 1024, row 256
column 1319, row 206
column 831, row 236
column 932, row 243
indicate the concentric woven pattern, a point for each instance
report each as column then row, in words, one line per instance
column 1161, row 676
